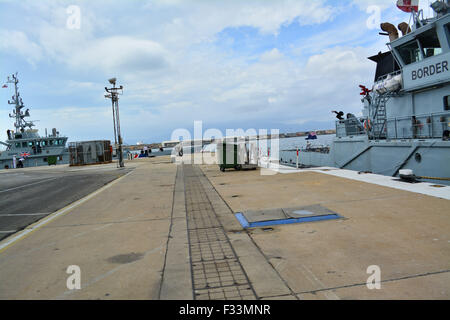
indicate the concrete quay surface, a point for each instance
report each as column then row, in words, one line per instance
column 166, row 231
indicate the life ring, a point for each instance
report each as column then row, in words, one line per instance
column 367, row 125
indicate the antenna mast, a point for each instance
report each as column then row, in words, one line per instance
column 113, row 94
column 18, row 114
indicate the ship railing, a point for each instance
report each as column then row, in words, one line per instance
column 424, row 126
column 351, row 127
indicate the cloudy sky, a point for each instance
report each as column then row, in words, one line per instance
column 267, row 64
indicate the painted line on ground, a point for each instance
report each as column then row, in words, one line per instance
column 28, row 230
column 26, row 185
column 24, row 214
column 10, row 231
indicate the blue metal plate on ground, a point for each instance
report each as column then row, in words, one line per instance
column 245, row 224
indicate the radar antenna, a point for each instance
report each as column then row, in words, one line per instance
column 18, row 114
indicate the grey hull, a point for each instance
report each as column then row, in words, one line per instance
column 37, row 161
column 427, row 158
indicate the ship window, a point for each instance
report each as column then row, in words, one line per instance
column 24, row 144
column 17, row 144
column 410, row 52
column 430, row 43
column 50, row 142
column 447, row 103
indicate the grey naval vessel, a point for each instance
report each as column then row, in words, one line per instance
column 406, row 114
column 24, row 146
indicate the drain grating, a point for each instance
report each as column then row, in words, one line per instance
column 216, row 271
column 271, row 217
column 205, row 251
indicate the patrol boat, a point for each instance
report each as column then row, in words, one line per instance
column 406, row 113
column 24, row 146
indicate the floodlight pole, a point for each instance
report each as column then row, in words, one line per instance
column 113, row 94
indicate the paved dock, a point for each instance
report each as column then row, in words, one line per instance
column 164, row 231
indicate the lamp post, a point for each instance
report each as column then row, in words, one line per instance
column 113, row 94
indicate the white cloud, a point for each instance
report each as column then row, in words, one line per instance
column 191, row 19
column 120, row 53
column 17, row 43
column 383, row 4
column 164, row 27
column 271, row 55
column 337, row 62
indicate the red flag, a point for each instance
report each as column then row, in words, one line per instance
column 4, row 86
column 408, row 5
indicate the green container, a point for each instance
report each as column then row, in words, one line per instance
column 52, row 160
column 225, row 149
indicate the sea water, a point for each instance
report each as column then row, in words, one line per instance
column 289, row 146
column 300, row 142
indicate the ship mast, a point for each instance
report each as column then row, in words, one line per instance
column 18, row 114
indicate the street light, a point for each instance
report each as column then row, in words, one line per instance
column 113, row 94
